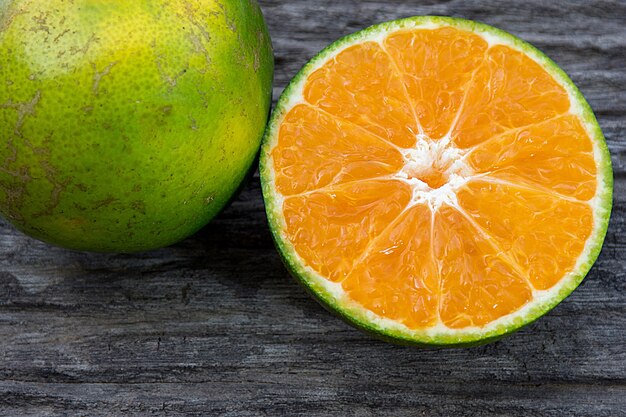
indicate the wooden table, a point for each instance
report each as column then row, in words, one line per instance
column 215, row 325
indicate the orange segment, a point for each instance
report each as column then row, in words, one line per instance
column 509, row 91
column 398, row 279
column 543, row 233
column 436, row 65
column 316, row 150
column 362, row 85
column 477, row 284
column 331, row 229
column 557, row 154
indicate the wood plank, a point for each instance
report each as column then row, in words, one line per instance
column 351, row 398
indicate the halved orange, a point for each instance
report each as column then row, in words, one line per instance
column 436, row 181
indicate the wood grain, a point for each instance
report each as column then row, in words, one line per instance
column 214, row 326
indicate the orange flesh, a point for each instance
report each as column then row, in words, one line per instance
column 518, row 222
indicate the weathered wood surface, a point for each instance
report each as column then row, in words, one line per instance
column 215, row 326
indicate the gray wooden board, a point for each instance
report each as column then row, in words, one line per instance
column 215, row 325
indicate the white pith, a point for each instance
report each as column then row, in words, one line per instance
column 430, row 155
column 418, row 160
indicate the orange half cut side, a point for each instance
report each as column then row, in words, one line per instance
column 436, row 181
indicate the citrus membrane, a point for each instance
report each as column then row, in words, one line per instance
column 436, row 181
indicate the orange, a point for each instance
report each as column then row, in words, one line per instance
column 127, row 125
column 436, row 181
